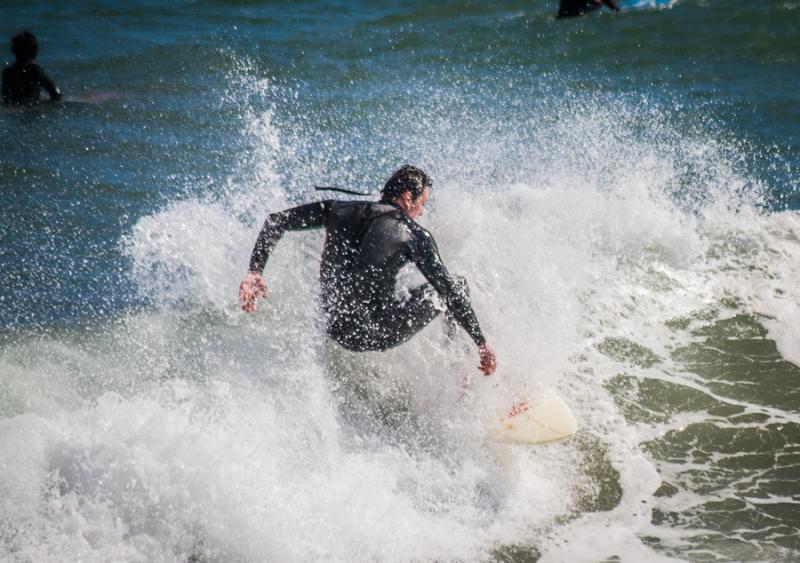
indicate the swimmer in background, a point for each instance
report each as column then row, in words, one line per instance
column 24, row 79
column 572, row 8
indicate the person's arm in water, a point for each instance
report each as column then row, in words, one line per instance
column 426, row 257
column 47, row 84
column 309, row 216
column 5, row 89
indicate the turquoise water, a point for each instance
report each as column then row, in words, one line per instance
column 620, row 189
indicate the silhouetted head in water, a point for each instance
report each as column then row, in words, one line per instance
column 24, row 46
column 23, row 80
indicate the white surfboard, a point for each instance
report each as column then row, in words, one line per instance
column 542, row 417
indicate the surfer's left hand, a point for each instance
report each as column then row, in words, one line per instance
column 488, row 359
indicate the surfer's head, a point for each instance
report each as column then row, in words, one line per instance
column 407, row 178
column 409, row 187
column 24, row 46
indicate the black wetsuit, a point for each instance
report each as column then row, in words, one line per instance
column 367, row 244
column 573, row 8
column 23, row 83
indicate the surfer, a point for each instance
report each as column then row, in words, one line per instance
column 367, row 244
column 23, row 80
column 572, row 8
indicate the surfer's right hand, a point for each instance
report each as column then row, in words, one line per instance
column 488, row 360
column 250, row 289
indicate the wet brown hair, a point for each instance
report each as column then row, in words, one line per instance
column 407, row 178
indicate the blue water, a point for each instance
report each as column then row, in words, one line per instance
column 621, row 189
column 347, row 73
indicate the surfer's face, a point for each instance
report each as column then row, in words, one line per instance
column 414, row 207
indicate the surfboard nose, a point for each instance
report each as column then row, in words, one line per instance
column 543, row 417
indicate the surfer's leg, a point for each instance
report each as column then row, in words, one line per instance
column 397, row 323
column 391, row 325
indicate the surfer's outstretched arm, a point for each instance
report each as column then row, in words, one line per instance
column 309, row 216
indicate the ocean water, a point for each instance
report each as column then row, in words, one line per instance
column 621, row 190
